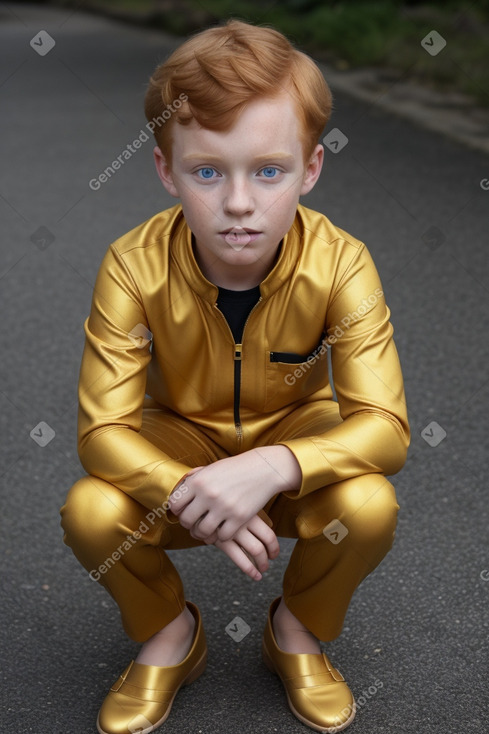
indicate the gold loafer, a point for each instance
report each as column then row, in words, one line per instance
column 141, row 699
column 316, row 692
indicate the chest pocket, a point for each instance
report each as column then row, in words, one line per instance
column 292, row 377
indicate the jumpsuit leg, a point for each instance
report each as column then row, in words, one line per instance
column 344, row 530
column 121, row 543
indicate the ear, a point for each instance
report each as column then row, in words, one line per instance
column 313, row 169
column 164, row 172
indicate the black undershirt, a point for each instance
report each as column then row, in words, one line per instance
column 236, row 307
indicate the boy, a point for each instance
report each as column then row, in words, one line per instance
column 221, row 310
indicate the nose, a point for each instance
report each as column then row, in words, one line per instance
column 238, row 199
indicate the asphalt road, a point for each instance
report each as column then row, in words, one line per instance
column 419, row 623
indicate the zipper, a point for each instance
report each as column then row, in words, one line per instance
column 238, row 348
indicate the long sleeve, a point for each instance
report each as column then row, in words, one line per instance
column 112, row 390
column 374, row 434
column 150, row 281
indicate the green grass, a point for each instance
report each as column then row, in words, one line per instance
column 356, row 34
column 353, row 34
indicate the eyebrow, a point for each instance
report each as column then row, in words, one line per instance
column 279, row 156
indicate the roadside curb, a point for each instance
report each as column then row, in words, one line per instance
column 455, row 115
column 449, row 113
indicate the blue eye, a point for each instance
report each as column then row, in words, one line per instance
column 269, row 171
column 206, row 172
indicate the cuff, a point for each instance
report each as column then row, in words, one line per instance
column 170, row 517
column 316, row 470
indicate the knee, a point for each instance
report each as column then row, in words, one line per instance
column 92, row 509
column 370, row 508
column 365, row 505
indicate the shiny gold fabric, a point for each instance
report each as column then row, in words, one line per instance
column 324, row 285
column 123, row 545
column 316, row 692
column 143, row 695
column 136, row 450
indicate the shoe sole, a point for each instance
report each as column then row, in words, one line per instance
column 331, row 730
column 195, row 673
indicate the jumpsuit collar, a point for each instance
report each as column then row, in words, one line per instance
column 182, row 252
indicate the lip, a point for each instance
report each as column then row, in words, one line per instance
column 243, row 229
column 239, row 237
column 252, row 236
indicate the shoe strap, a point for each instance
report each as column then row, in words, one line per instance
column 120, row 680
column 150, row 683
column 308, row 670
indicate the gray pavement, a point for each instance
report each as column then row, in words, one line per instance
column 418, row 625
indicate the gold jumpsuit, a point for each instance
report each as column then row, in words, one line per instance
column 163, row 388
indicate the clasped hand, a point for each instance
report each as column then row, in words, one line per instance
column 222, row 502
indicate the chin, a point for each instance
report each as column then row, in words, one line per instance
column 245, row 254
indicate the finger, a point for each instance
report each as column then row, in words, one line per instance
column 227, row 529
column 192, row 515
column 180, row 497
column 210, row 525
column 182, row 494
column 239, row 558
column 263, row 515
column 196, row 533
column 211, row 540
column 265, row 534
column 253, row 548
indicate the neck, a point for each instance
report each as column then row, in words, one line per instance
column 233, row 276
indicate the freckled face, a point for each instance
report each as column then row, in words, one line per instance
column 239, row 189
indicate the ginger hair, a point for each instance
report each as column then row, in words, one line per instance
column 219, row 70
